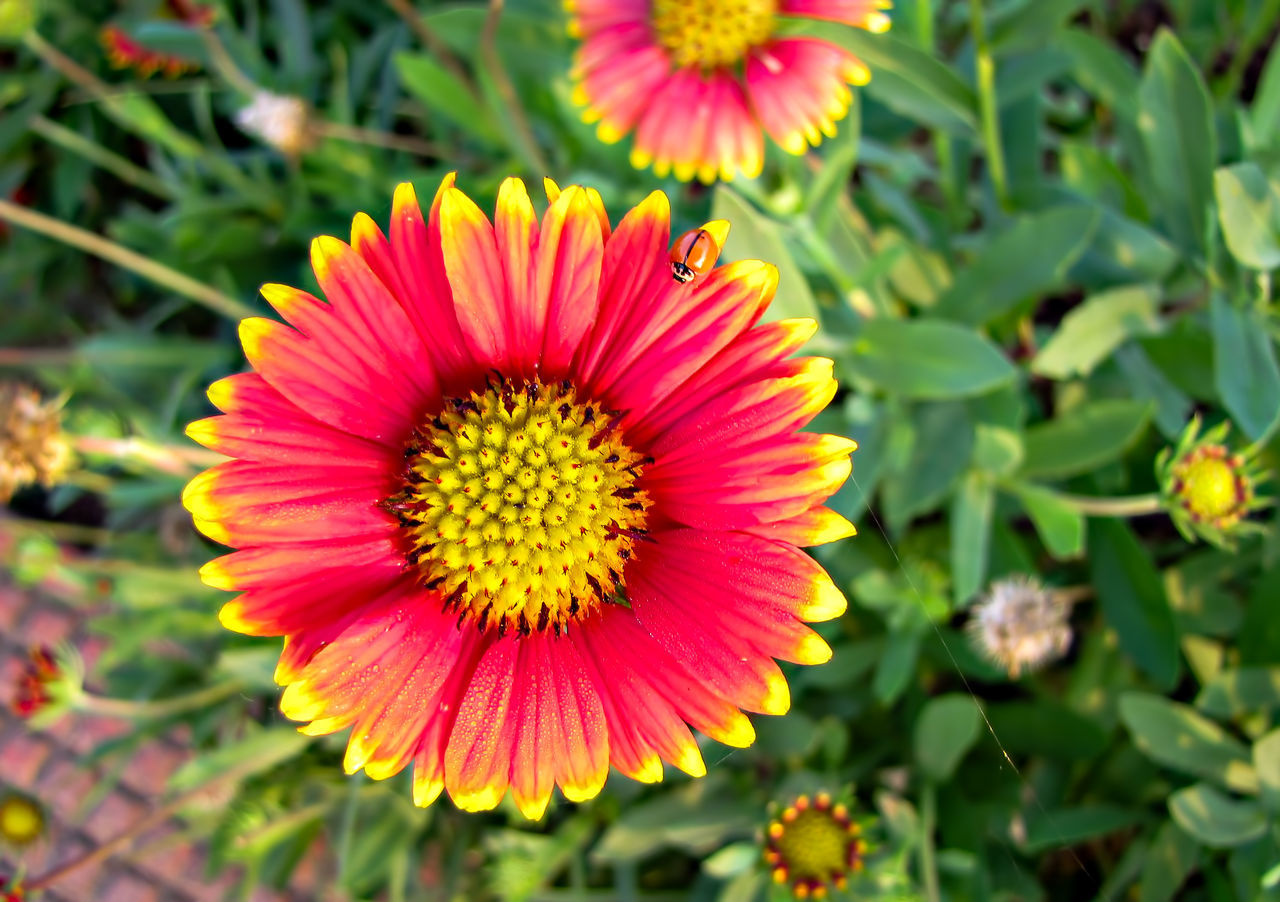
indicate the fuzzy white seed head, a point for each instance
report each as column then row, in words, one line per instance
column 1020, row 625
column 280, row 120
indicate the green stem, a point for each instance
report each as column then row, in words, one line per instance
column 491, row 60
column 95, row 153
column 1130, row 506
column 941, row 140
column 988, row 107
column 176, row 460
column 928, row 858
column 155, row 709
column 121, row 256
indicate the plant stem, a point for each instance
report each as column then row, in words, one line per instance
column 1127, row 506
column 435, row 46
column 376, row 138
column 492, row 63
column 95, row 153
column 225, row 66
column 155, row 709
column 928, row 859
column 988, row 107
column 941, row 140
column 173, row 459
column 125, row 258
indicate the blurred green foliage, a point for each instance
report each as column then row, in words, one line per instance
column 1028, row 283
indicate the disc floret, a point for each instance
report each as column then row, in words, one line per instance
column 1207, row 489
column 813, row 846
column 712, row 33
column 521, row 506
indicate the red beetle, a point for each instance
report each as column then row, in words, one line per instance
column 693, row 254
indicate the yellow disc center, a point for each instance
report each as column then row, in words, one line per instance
column 21, row 821
column 521, row 506
column 1209, row 488
column 816, row 846
column 712, row 33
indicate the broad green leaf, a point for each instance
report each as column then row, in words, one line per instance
column 139, row 114
column 1133, row 599
column 1179, row 737
column 909, row 81
column 1244, row 366
column 1148, row 383
column 927, row 360
column 940, row 438
column 443, row 95
column 1249, row 211
column 754, row 236
column 1178, row 131
column 1031, row 26
column 1059, row 523
column 972, row 508
column 1172, row 856
column 1090, row 332
column 946, row 729
column 895, row 667
column 1046, row 727
column 1264, row 116
column 997, row 450
column 1103, row 69
column 1216, row 819
column 1259, row 636
column 1083, row 438
column 1266, row 761
column 1245, row 690
column 1064, row 827
column 1027, row 259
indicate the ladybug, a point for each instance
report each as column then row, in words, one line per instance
column 693, row 254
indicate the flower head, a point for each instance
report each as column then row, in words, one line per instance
column 523, row 505
column 32, row 447
column 126, row 52
column 1207, row 489
column 1020, row 625
column 698, row 80
column 279, row 120
column 38, row 674
column 11, row 892
column 21, row 820
column 17, row 18
column 813, row 846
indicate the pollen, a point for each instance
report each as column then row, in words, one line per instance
column 521, row 506
column 712, row 33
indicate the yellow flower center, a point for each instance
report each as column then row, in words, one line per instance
column 712, row 33
column 1210, row 487
column 521, row 506
column 21, row 821
column 815, row 846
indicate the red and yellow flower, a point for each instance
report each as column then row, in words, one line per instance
column 698, row 80
column 523, row 505
column 814, row 846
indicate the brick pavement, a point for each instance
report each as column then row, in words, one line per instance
column 86, row 804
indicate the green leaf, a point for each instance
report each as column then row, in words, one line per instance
column 972, row 508
column 696, row 817
column 754, row 236
column 1259, row 636
column 1090, row 332
column 946, row 729
column 1215, row 818
column 1064, row 827
column 1231, row 693
column 1249, row 210
column 924, row 359
column 1102, row 69
column 241, row 758
column 1031, row 26
column 1266, row 761
column 443, row 95
column 1179, row 737
column 1046, row 727
column 996, row 450
column 939, row 438
column 1025, row 260
column 1172, row 856
column 895, row 667
column 1264, row 116
column 1178, row 131
column 909, row 81
column 1083, row 438
column 1059, row 523
column 1133, row 600
column 1244, row 367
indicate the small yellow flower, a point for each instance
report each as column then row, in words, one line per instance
column 21, row 820
column 813, row 846
column 1208, row 489
column 32, row 446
